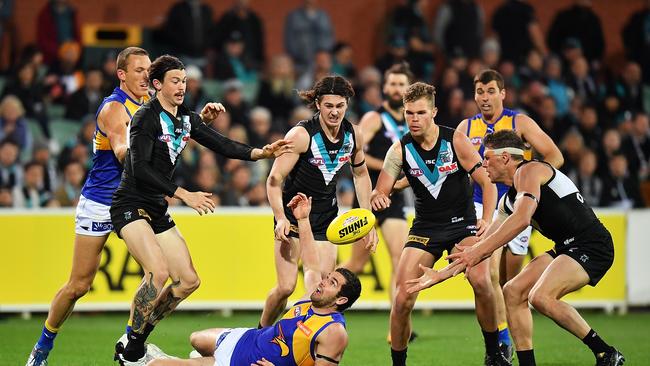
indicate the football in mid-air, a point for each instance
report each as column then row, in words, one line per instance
column 350, row 226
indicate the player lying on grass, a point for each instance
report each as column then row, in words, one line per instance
column 312, row 332
column 544, row 197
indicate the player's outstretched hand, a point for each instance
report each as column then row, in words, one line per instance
column 199, row 201
column 263, row 362
column 379, row 201
column 481, row 226
column 211, row 111
column 429, row 278
column 466, row 257
column 274, row 150
column 370, row 241
column 300, row 205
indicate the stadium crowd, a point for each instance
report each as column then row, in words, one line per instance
column 597, row 113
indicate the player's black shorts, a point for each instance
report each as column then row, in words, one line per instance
column 593, row 250
column 394, row 211
column 125, row 211
column 435, row 239
column 319, row 222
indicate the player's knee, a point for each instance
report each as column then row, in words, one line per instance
column 189, row 284
column 403, row 302
column 77, row 289
column 540, row 301
column 196, row 339
column 481, row 282
column 512, row 293
column 158, row 276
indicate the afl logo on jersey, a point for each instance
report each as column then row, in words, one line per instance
column 316, row 161
column 416, row 172
column 478, row 140
column 166, row 138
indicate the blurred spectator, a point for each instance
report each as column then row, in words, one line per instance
column 396, row 53
column 109, row 71
column 321, row 67
column 589, row 127
column 518, row 30
column 611, row 144
column 207, row 179
column 6, row 197
column 241, row 18
column 7, row 30
column 42, row 155
column 277, row 90
column 637, row 147
column 636, row 38
column 86, row 100
column 342, row 64
column 31, row 194
column 307, row 30
column 629, row 88
column 13, row 124
column 65, row 76
column 231, row 63
column 581, row 23
column 24, row 85
column 256, row 195
column 260, row 127
column 195, row 97
column 581, row 81
column 56, row 25
column 233, row 100
column 187, row 31
column 84, row 137
column 238, row 186
column 548, row 120
column 33, row 56
column 408, row 22
column 68, row 193
column 571, row 147
column 491, row 53
column 451, row 113
column 533, row 68
column 585, row 178
column 459, row 26
column 11, row 172
column 621, row 189
column 370, row 99
column 300, row 113
column 530, row 98
column 557, row 88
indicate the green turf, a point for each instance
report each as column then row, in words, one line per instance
column 446, row 338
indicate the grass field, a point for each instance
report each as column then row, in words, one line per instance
column 446, row 338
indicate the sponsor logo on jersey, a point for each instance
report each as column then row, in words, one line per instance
column 418, row 239
column 584, row 258
column 143, row 213
column 297, row 311
column 102, row 226
column 303, row 328
column 569, row 241
column 316, row 161
column 416, row 172
column 456, row 219
column 344, row 159
column 448, row 168
column 445, row 157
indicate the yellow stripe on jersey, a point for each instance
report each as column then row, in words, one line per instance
column 478, row 128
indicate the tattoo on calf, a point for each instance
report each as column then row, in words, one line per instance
column 166, row 305
column 144, row 303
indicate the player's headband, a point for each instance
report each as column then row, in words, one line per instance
column 509, row 150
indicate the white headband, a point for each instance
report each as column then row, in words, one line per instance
column 510, row 150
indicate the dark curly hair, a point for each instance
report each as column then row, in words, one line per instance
column 161, row 65
column 334, row 84
column 351, row 289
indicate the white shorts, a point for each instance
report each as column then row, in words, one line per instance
column 226, row 346
column 92, row 218
column 518, row 245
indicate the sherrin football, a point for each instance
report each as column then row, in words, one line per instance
column 350, row 226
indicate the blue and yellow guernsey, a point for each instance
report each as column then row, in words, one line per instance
column 104, row 177
column 477, row 128
column 290, row 342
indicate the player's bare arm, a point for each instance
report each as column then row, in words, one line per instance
column 389, row 173
column 330, row 345
column 362, row 184
column 472, row 163
column 369, row 125
column 281, row 168
column 530, row 132
column 113, row 120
